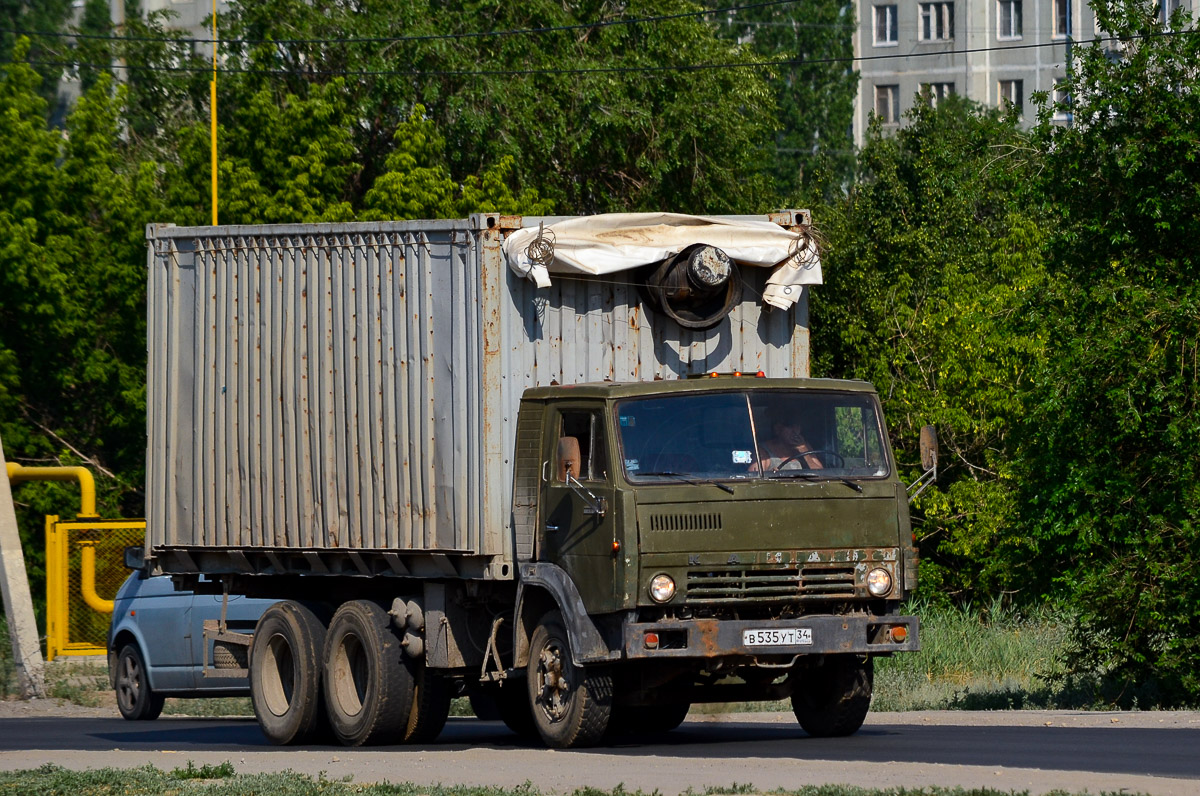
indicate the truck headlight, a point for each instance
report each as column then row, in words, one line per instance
column 662, row 588
column 879, row 582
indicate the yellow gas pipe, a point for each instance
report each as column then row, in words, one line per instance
column 87, row 579
column 87, row 485
column 87, row 509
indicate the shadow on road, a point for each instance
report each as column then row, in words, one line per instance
column 1168, row 752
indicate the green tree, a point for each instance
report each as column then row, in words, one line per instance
column 72, row 289
column 1110, row 468
column 814, row 91
column 597, row 114
column 932, row 258
column 40, row 16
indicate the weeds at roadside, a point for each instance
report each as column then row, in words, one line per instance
column 220, row 780
column 8, row 669
column 206, row 771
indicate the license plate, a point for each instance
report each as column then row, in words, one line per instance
column 777, row 637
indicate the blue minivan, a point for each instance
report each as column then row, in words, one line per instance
column 157, row 647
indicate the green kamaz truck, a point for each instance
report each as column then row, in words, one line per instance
column 573, row 469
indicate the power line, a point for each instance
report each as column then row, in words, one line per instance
column 593, row 70
column 436, row 36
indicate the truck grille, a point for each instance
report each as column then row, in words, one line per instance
column 739, row 584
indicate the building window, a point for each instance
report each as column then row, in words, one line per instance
column 887, row 104
column 937, row 22
column 1062, row 99
column 1012, row 93
column 886, row 30
column 933, row 93
column 1008, row 19
column 1060, row 18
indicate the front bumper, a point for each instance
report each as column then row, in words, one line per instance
column 861, row 634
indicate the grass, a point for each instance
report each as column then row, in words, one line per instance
column 221, row 780
column 993, row 659
column 971, row 659
column 8, row 670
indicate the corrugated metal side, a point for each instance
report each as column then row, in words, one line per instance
column 357, row 385
column 589, row 329
column 316, row 387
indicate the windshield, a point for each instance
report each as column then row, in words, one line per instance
column 754, row 434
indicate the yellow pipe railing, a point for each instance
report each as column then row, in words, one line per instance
column 87, row 484
column 87, row 579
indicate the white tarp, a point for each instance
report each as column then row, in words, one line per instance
column 605, row 244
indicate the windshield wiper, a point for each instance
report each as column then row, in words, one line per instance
column 807, row 476
column 691, row 481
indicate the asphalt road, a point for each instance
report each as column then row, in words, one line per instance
column 1036, row 751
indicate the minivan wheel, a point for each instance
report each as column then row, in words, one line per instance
column 285, row 673
column 135, row 699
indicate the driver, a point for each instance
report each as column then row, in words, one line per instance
column 787, row 449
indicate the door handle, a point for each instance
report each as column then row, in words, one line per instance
column 551, row 527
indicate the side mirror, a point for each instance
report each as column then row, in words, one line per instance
column 929, row 462
column 135, row 557
column 568, row 457
column 929, row 448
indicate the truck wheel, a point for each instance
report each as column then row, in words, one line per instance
column 368, row 689
column 571, row 705
column 135, row 699
column 647, row 720
column 512, row 701
column 832, row 700
column 431, row 705
column 285, row 673
column 484, row 705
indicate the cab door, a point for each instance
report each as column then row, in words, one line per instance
column 579, row 531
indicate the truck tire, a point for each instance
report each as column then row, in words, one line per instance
column 431, row 705
column 647, row 720
column 832, row 700
column 512, row 702
column 571, row 705
column 135, row 699
column 484, row 706
column 285, row 673
column 368, row 688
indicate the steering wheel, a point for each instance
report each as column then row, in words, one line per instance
column 835, row 459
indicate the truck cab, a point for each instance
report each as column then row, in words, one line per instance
column 716, row 538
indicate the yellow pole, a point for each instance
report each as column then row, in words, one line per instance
column 212, row 104
column 56, row 603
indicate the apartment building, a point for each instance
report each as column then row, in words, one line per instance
column 992, row 51
column 189, row 15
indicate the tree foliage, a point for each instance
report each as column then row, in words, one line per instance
column 814, row 88
column 932, row 257
column 72, row 331
column 599, row 112
column 1110, row 487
